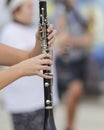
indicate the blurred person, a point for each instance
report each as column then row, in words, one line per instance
column 71, row 59
column 24, row 99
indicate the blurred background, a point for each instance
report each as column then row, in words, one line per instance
column 79, row 62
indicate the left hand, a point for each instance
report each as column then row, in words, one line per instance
column 51, row 37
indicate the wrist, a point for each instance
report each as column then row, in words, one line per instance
column 18, row 69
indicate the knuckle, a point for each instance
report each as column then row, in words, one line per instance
column 46, row 67
column 49, row 62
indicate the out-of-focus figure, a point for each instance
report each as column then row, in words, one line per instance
column 24, row 99
column 74, row 41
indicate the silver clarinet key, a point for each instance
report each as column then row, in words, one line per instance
column 46, row 84
column 48, row 102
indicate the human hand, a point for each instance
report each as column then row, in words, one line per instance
column 51, row 37
column 33, row 66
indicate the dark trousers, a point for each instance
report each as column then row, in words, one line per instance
column 29, row 121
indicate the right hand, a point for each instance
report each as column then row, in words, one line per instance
column 33, row 66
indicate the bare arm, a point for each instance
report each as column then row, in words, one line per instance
column 29, row 67
column 9, row 75
column 10, row 56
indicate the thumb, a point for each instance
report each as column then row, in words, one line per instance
column 38, row 34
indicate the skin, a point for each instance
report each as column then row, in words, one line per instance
column 28, row 67
column 25, row 63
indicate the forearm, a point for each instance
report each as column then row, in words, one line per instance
column 10, row 56
column 10, row 75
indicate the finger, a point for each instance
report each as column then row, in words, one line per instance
column 46, row 61
column 52, row 35
column 38, row 33
column 51, row 42
column 50, row 28
column 45, row 68
column 44, row 76
column 43, row 56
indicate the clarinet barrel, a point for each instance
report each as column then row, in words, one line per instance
column 49, row 123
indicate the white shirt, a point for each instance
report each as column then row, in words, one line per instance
column 25, row 94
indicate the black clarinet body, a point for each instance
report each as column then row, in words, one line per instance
column 49, row 123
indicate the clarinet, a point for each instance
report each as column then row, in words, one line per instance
column 49, row 123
